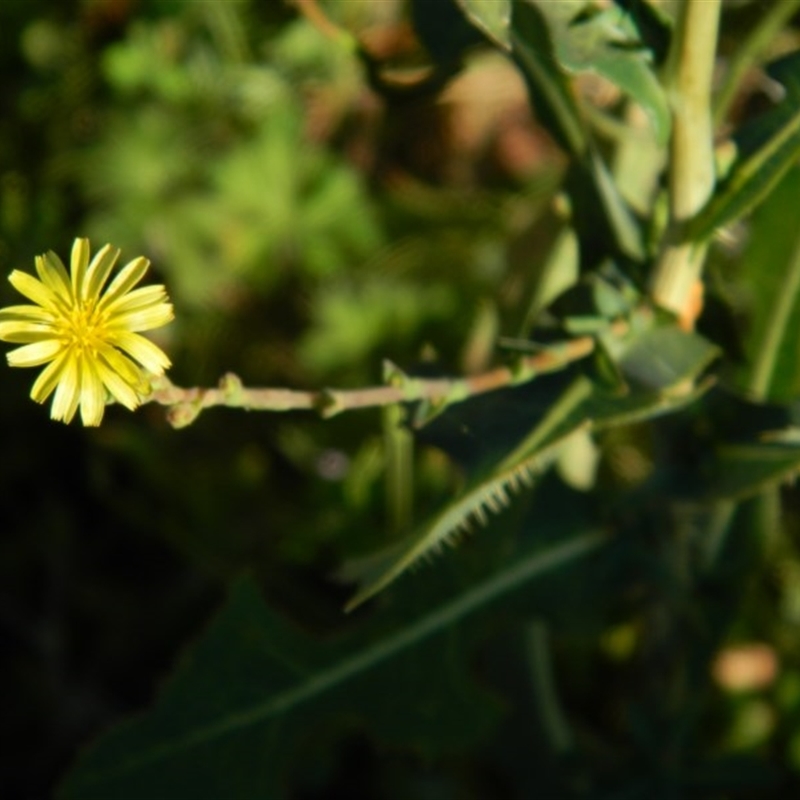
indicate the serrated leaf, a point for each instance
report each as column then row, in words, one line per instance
column 583, row 405
column 490, row 494
column 225, row 724
column 766, row 148
column 471, row 432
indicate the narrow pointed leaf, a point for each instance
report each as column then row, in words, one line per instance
column 767, row 147
column 253, row 684
column 742, row 471
column 491, row 494
column 769, row 275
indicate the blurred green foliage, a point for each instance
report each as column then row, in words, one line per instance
column 319, row 199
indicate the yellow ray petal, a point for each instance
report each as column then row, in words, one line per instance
column 36, row 354
column 150, row 356
column 137, row 300
column 131, row 274
column 53, row 274
column 144, row 319
column 49, row 378
column 35, row 290
column 26, row 332
column 93, row 395
column 68, row 391
column 130, row 372
column 99, row 270
column 78, row 262
column 121, row 391
column 26, row 314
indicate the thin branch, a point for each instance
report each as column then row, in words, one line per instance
column 186, row 404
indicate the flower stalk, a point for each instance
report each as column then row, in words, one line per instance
column 187, row 403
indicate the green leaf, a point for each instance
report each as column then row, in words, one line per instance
column 766, row 148
column 608, row 410
column 663, row 357
column 493, row 17
column 581, row 405
column 597, row 205
column 770, row 284
column 742, row 471
column 490, row 494
column 603, row 219
column 534, row 50
column 253, row 684
column 653, row 26
column 607, row 43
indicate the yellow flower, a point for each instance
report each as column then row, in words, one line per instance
column 83, row 334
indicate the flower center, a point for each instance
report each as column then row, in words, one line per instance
column 83, row 328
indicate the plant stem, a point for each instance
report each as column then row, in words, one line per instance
column 399, row 449
column 691, row 170
column 187, row 403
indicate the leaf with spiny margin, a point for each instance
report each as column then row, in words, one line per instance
column 766, row 148
column 490, row 494
column 256, row 693
column 583, row 406
column 609, row 411
column 664, row 362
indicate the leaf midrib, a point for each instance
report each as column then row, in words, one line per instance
column 473, row 599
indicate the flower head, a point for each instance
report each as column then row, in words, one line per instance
column 86, row 336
